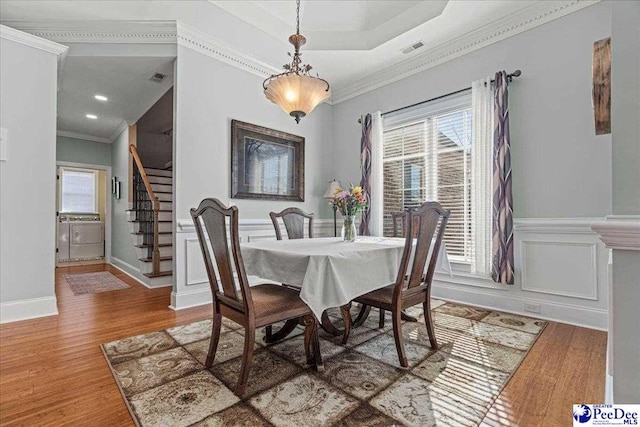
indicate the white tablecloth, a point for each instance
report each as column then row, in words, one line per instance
column 330, row 272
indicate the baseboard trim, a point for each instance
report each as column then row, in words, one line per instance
column 135, row 274
column 188, row 299
column 608, row 390
column 552, row 311
column 14, row 311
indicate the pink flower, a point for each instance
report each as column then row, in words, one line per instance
column 343, row 195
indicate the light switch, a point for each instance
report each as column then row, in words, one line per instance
column 3, row 144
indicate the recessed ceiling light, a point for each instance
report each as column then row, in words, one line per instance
column 91, row 116
column 101, row 98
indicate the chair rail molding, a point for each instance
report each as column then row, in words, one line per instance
column 620, row 232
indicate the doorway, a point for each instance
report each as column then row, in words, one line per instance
column 83, row 214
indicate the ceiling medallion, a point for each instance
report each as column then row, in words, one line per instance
column 295, row 91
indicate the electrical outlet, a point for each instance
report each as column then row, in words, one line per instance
column 3, row 144
column 532, row 308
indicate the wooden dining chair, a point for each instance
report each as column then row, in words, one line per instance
column 412, row 286
column 252, row 307
column 293, row 219
column 397, row 218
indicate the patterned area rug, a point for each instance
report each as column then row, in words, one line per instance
column 163, row 381
column 93, row 283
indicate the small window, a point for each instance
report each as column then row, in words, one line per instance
column 78, row 190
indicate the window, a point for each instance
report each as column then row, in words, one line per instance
column 78, row 190
column 427, row 155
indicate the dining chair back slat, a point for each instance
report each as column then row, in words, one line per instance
column 293, row 219
column 221, row 225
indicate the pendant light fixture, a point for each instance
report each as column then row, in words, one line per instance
column 295, row 91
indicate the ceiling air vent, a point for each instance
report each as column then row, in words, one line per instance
column 416, row 45
column 158, row 77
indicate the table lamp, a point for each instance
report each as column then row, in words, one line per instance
column 331, row 189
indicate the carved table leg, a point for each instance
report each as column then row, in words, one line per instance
column 362, row 316
column 346, row 315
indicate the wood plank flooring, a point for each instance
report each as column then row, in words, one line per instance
column 52, row 371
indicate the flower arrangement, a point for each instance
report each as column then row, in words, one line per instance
column 349, row 203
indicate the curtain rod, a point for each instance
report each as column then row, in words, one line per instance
column 510, row 76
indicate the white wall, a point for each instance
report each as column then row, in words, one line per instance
column 122, row 250
column 561, row 169
column 28, row 91
column 209, row 94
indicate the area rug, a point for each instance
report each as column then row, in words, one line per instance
column 164, row 383
column 93, row 283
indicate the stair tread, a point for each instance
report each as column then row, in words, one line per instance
column 150, row 210
column 162, row 258
column 155, row 175
column 160, row 274
column 160, row 245
column 161, row 220
column 140, row 233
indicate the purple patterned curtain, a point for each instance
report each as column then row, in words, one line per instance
column 502, row 266
column 365, row 182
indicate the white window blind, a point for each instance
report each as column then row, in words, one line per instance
column 78, row 191
column 428, row 157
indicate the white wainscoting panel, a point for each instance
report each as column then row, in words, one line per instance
column 560, row 268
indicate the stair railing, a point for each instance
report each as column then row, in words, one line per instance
column 146, row 206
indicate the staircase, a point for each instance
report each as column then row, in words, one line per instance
column 151, row 218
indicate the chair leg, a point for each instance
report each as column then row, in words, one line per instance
column 346, row 316
column 428, row 321
column 381, row 321
column 397, row 335
column 215, row 337
column 268, row 333
column 247, row 358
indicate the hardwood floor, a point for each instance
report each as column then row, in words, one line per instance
column 52, row 371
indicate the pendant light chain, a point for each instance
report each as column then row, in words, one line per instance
column 298, row 17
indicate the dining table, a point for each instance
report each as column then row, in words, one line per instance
column 330, row 272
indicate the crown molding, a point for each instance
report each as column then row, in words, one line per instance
column 100, row 31
column 207, row 45
column 32, row 40
column 116, row 133
column 83, row 136
column 37, row 42
column 619, row 232
column 530, row 17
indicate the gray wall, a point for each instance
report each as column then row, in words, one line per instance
column 625, row 126
column 560, row 167
column 204, row 109
column 28, row 90
column 121, row 241
column 82, row 151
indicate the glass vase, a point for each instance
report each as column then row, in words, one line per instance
column 349, row 231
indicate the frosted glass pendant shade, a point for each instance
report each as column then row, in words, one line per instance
column 297, row 94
